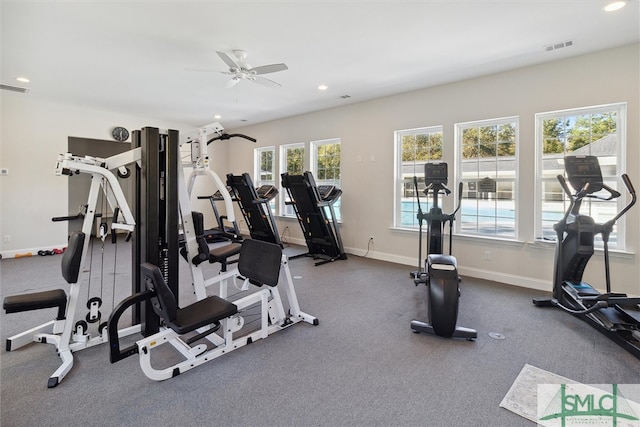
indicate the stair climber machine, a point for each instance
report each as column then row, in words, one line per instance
column 616, row 315
column 441, row 271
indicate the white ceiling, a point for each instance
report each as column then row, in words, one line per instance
column 134, row 57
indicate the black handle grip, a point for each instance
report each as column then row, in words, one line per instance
column 627, row 183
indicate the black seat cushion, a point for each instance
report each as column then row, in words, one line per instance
column 202, row 313
column 223, row 252
column 35, row 301
column 182, row 320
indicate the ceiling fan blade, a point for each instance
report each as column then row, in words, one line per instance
column 232, row 82
column 265, row 82
column 206, row 71
column 227, row 60
column 266, row 69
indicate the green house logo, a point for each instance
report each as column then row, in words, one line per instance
column 581, row 405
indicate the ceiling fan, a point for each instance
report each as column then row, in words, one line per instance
column 239, row 69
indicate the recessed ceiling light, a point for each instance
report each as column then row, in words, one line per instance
column 323, row 87
column 615, row 5
column 217, row 116
column 23, row 79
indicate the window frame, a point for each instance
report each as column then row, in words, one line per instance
column 257, row 161
column 257, row 173
column 284, row 209
column 620, row 155
column 399, row 181
column 459, row 177
column 315, row 146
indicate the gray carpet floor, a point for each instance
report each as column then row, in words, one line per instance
column 361, row 366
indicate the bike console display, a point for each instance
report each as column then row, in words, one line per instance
column 435, row 173
column 583, row 170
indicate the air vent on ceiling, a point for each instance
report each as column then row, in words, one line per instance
column 14, row 88
column 557, row 46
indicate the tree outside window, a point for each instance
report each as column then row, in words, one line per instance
column 597, row 131
column 292, row 157
column 488, row 171
column 414, row 148
column 326, row 167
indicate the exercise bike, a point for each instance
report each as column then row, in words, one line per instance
column 441, row 270
column 614, row 314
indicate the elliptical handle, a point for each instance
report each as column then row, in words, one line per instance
column 563, row 184
column 632, row 191
column 460, row 187
column 415, row 185
column 627, row 183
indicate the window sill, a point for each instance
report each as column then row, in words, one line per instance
column 550, row 245
column 467, row 237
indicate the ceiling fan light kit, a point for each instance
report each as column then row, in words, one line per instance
column 239, row 69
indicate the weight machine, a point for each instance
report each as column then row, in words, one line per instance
column 441, row 271
column 67, row 336
column 614, row 314
column 212, row 326
column 319, row 226
column 200, row 167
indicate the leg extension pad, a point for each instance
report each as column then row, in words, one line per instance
column 36, row 301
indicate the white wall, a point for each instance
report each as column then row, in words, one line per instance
column 367, row 128
column 33, row 134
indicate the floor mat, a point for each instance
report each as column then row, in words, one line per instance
column 522, row 397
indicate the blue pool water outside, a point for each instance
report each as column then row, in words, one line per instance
column 491, row 217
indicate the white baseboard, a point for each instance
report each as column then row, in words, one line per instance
column 509, row 279
column 33, row 251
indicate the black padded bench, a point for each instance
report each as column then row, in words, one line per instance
column 209, row 311
column 223, row 252
column 36, row 301
column 57, row 297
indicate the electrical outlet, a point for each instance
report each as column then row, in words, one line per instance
column 371, row 239
column 487, row 255
column 7, row 238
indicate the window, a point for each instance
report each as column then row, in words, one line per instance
column 291, row 161
column 265, row 169
column 597, row 131
column 413, row 148
column 325, row 163
column 487, row 167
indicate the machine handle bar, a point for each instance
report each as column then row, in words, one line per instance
column 597, row 306
column 627, row 183
column 632, row 191
column 460, row 186
column 228, row 136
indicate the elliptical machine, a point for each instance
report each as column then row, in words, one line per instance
column 614, row 314
column 441, row 271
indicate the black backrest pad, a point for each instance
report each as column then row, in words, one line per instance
column 260, row 261
column 72, row 258
column 164, row 303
